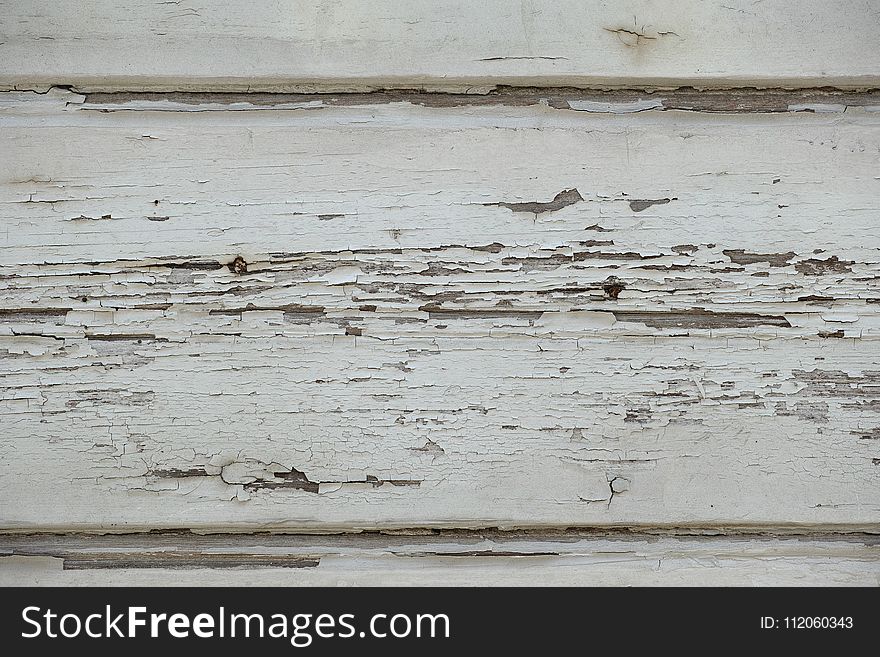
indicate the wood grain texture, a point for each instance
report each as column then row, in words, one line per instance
column 447, row 559
column 379, row 315
column 232, row 45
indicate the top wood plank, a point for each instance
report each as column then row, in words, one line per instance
column 318, row 44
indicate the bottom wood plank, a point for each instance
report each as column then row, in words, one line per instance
column 443, row 559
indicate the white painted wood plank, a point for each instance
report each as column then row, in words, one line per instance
column 438, row 561
column 344, row 317
column 229, row 44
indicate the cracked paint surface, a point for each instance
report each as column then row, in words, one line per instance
column 392, row 314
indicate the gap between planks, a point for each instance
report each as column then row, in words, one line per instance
column 621, row 101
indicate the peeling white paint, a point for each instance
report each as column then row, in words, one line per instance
column 390, row 315
column 616, row 108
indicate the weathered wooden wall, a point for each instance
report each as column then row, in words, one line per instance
column 416, row 267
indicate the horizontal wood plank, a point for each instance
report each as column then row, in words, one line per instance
column 389, row 315
column 456, row 559
column 232, row 45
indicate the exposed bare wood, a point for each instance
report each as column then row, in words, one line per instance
column 620, row 101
